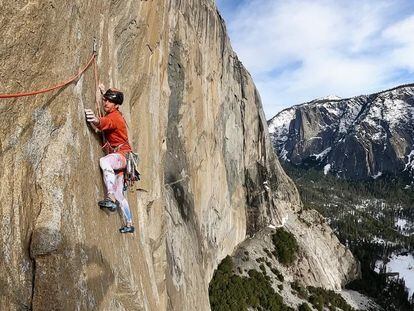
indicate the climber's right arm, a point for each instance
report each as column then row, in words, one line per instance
column 91, row 118
column 102, row 123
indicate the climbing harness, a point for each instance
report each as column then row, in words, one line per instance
column 111, row 149
column 131, row 173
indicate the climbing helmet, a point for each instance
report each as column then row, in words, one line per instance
column 115, row 96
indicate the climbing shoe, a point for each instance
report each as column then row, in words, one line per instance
column 127, row 229
column 108, row 204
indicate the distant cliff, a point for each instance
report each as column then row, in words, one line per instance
column 210, row 177
column 362, row 137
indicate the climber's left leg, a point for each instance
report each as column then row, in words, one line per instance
column 123, row 204
column 109, row 164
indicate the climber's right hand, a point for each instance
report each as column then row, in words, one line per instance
column 90, row 117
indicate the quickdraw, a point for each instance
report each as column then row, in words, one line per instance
column 131, row 173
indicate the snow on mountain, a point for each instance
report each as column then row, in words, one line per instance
column 280, row 124
column 330, row 97
column 402, row 264
column 323, row 154
column 361, row 137
column 280, row 128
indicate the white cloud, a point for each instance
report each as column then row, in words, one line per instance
column 402, row 34
column 299, row 50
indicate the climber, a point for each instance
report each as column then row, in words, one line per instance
column 117, row 146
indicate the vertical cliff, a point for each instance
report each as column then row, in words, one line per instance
column 209, row 175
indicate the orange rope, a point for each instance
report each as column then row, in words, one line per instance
column 60, row 85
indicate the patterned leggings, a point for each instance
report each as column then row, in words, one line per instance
column 114, row 182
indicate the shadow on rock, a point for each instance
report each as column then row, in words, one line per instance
column 66, row 275
column 12, row 296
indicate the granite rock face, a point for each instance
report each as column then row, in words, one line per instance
column 357, row 138
column 209, row 174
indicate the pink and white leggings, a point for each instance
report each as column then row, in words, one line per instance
column 114, row 181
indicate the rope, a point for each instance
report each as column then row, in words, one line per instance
column 60, row 85
column 97, row 104
column 95, row 70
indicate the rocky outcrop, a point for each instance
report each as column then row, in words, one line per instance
column 320, row 262
column 209, row 174
column 357, row 138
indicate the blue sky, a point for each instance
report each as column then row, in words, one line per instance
column 299, row 50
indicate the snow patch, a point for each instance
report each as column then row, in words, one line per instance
column 402, row 264
column 352, row 110
column 403, row 226
column 365, row 203
column 330, row 97
column 279, row 125
column 377, row 175
column 402, row 223
column 315, row 137
column 378, row 240
column 396, row 111
column 333, row 111
column 283, row 139
column 410, row 161
column 283, row 154
column 379, row 136
column 326, row 169
column 323, row 154
column 284, row 220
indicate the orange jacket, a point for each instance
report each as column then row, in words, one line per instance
column 114, row 127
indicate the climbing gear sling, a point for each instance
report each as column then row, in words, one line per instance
column 131, row 173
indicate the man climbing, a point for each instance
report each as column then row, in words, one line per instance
column 117, row 146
